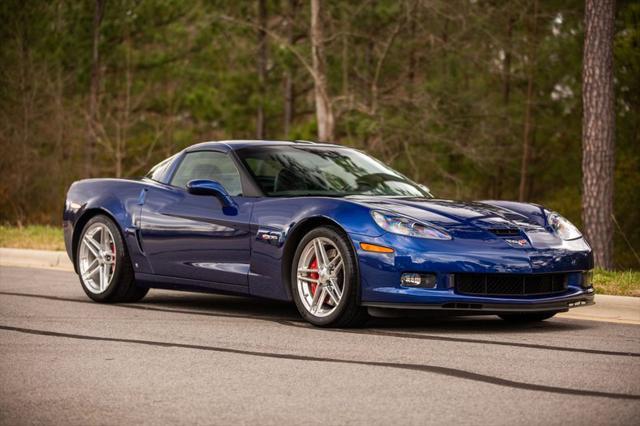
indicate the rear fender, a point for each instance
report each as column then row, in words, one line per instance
column 117, row 199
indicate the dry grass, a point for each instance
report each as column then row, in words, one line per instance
column 32, row 237
column 621, row 283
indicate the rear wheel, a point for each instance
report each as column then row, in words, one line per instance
column 325, row 280
column 531, row 317
column 103, row 264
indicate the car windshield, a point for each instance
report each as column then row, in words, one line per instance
column 297, row 171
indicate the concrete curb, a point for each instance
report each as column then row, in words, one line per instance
column 28, row 258
column 618, row 309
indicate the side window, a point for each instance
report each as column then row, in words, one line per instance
column 265, row 170
column 208, row 165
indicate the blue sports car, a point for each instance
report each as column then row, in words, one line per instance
column 336, row 231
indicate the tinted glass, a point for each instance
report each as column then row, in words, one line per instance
column 208, row 165
column 296, row 171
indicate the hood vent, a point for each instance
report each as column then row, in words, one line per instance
column 505, row 232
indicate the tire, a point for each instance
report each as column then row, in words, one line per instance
column 120, row 285
column 525, row 318
column 347, row 312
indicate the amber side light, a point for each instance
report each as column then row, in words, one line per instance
column 375, row 248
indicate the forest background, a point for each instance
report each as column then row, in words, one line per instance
column 475, row 99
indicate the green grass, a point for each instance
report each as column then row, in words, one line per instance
column 623, row 283
column 32, row 237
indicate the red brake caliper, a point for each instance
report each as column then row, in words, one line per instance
column 314, row 275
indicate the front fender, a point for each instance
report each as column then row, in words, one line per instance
column 279, row 223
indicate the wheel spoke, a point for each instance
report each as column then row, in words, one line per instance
column 89, row 273
column 334, row 286
column 318, row 299
column 103, row 238
column 101, row 282
column 337, row 268
column 321, row 254
column 308, row 279
column 92, row 245
column 332, row 294
column 89, row 266
column 104, row 277
column 107, row 274
column 307, row 271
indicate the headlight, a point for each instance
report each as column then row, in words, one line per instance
column 402, row 225
column 562, row 227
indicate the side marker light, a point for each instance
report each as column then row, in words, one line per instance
column 375, row 248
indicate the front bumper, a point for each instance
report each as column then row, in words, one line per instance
column 380, row 274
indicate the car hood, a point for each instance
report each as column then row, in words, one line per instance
column 496, row 217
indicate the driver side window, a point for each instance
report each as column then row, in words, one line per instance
column 209, row 165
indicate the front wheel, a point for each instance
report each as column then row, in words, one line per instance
column 103, row 263
column 324, row 280
column 524, row 318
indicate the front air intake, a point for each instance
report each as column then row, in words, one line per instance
column 510, row 284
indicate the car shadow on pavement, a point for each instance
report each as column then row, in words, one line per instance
column 265, row 309
column 478, row 323
column 451, row 329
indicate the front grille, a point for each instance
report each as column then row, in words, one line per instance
column 505, row 232
column 510, row 284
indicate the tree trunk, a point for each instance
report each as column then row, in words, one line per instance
column 345, row 16
column 262, row 67
column 411, row 74
column 527, row 133
column 61, row 146
column 506, row 98
column 324, row 112
column 125, row 122
column 94, row 91
column 289, row 87
column 506, row 94
column 598, row 129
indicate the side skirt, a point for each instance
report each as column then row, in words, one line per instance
column 185, row 284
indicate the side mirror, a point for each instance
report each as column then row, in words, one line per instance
column 211, row 187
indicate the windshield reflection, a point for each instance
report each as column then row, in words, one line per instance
column 322, row 171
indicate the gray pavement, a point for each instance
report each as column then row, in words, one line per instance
column 195, row 358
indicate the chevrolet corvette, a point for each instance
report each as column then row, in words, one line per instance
column 328, row 227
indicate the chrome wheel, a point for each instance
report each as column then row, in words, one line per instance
column 97, row 258
column 320, row 277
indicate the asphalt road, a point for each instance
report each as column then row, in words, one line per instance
column 192, row 358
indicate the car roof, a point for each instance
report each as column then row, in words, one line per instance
column 232, row 145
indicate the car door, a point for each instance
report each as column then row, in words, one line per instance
column 190, row 236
